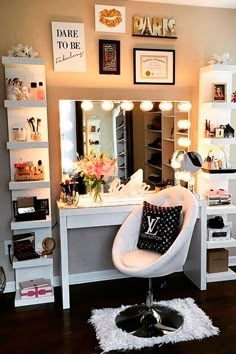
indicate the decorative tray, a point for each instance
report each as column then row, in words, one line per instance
column 229, row 170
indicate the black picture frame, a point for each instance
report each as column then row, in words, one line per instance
column 109, row 57
column 154, row 66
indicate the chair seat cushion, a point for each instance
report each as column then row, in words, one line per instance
column 139, row 258
column 159, row 227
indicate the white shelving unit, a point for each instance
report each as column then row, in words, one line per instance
column 18, row 111
column 218, row 113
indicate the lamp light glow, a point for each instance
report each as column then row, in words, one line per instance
column 146, row 106
column 166, row 106
column 107, row 105
column 184, row 106
column 183, row 124
column 185, row 142
column 127, row 105
column 87, row 105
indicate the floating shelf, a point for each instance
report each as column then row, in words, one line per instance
column 13, row 185
column 157, row 37
column 27, row 145
column 18, row 61
column 24, row 104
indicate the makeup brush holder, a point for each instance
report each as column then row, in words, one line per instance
column 36, row 136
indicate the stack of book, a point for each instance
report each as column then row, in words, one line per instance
column 35, row 288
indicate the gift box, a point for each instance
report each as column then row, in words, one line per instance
column 37, row 290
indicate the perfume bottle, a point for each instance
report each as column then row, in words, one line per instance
column 33, row 91
column 40, row 91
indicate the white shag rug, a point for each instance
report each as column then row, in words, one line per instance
column 197, row 325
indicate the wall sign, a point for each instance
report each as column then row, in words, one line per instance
column 154, row 27
column 68, row 46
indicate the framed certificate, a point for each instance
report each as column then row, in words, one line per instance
column 154, row 66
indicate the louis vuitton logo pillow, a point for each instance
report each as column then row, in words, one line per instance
column 159, row 227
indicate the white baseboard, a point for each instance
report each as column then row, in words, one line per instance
column 80, row 278
column 90, row 277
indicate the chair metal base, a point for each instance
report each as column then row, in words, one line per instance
column 144, row 321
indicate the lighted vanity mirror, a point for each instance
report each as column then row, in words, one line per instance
column 138, row 139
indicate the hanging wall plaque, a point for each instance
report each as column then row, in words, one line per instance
column 68, row 46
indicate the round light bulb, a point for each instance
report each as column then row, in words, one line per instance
column 67, row 145
column 183, row 124
column 184, row 106
column 67, row 125
column 185, row 142
column 146, row 106
column 87, row 105
column 166, row 106
column 127, row 105
column 107, row 105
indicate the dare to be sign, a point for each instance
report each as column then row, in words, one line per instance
column 68, row 46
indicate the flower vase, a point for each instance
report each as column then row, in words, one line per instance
column 97, row 193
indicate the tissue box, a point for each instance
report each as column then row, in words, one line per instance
column 217, row 260
column 38, row 290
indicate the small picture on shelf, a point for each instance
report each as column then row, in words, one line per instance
column 219, row 92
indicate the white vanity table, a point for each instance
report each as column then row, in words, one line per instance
column 113, row 211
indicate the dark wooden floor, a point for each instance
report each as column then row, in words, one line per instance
column 44, row 329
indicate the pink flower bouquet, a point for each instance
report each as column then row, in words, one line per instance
column 96, row 169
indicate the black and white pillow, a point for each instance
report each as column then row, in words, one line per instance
column 159, row 227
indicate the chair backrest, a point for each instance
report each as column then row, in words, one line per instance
column 174, row 259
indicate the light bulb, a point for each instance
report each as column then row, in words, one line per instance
column 87, row 105
column 166, row 106
column 107, row 105
column 183, row 124
column 185, row 142
column 127, row 105
column 67, row 125
column 184, row 106
column 67, row 145
column 146, row 106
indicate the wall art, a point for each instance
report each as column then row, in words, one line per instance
column 154, row 27
column 154, row 66
column 68, row 46
column 109, row 57
column 110, row 18
column 219, row 92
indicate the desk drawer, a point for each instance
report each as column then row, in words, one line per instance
column 104, row 219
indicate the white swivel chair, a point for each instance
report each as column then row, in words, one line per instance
column 148, row 320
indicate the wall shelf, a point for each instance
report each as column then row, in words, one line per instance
column 27, row 145
column 13, row 185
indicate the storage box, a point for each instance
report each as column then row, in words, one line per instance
column 42, row 289
column 217, row 260
column 219, row 234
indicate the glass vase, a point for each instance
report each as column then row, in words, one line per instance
column 97, row 193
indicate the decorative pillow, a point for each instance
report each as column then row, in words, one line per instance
column 159, row 227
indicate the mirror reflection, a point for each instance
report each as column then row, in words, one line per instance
column 141, row 135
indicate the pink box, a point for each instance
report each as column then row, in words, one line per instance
column 36, row 292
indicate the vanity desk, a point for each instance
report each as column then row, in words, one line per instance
column 113, row 211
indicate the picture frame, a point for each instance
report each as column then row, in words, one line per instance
column 109, row 57
column 154, row 66
column 219, row 92
column 110, row 18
